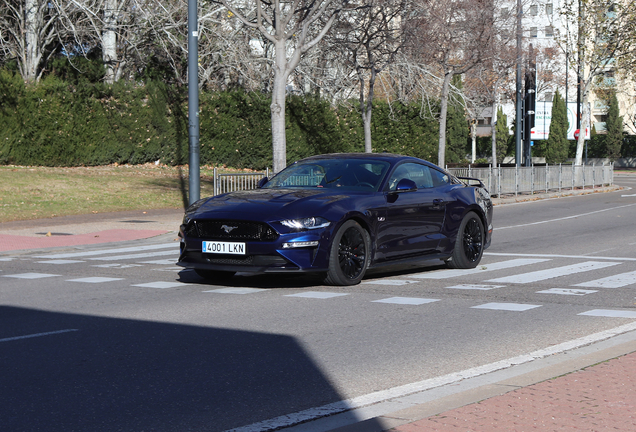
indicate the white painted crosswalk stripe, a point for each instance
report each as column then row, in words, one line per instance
column 87, row 253
column 609, row 313
column 566, row 291
column 393, row 282
column 541, row 275
column 513, row 307
column 615, row 281
column 136, row 256
column 445, row 274
column 406, row 301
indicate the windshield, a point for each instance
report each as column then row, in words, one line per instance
column 347, row 174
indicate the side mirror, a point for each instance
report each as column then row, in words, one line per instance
column 406, row 185
column 262, row 182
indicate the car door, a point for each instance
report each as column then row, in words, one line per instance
column 414, row 219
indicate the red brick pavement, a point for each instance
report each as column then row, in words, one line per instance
column 598, row 398
column 10, row 242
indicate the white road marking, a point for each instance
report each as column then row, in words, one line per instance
column 420, row 386
column 566, row 291
column 514, row 307
column 561, row 256
column 564, row 218
column 476, row 287
column 445, row 274
column 316, row 295
column 95, row 279
column 37, row 335
column 161, row 262
column 136, row 256
column 616, row 281
column 632, row 195
column 541, row 275
column 30, row 275
column 160, row 285
column 236, row 290
column 110, row 251
column 392, row 282
column 406, row 301
column 7, row 259
column 116, row 265
column 60, row 262
column 607, row 313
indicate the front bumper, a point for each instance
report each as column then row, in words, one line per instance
column 260, row 256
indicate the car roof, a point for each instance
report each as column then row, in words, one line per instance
column 378, row 156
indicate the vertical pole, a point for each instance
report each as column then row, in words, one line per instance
column 518, row 94
column 193, row 101
column 215, row 183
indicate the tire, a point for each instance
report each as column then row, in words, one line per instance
column 349, row 255
column 469, row 246
column 214, row 275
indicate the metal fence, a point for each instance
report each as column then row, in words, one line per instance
column 534, row 179
column 231, row 182
column 499, row 180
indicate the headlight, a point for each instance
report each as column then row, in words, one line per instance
column 306, row 223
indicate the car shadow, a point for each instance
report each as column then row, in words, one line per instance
column 110, row 374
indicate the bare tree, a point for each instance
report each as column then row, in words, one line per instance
column 370, row 35
column 30, row 30
column 453, row 35
column 605, row 38
column 293, row 28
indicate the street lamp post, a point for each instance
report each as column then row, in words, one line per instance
column 193, row 102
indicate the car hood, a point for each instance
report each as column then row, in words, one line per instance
column 270, row 204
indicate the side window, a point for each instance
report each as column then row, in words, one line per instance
column 420, row 174
column 439, row 178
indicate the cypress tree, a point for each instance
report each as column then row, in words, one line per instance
column 614, row 125
column 502, row 135
column 457, row 129
column 557, row 143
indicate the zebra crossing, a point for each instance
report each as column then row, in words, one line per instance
column 521, row 272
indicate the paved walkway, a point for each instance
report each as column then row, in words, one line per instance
column 598, row 398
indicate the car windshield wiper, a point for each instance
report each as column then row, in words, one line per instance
column 334, row 180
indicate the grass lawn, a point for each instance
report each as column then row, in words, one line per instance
column 41, row 192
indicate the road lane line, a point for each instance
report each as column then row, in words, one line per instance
column 136, row 256
column 445, row 274
column 109, row 251
column 564, row 218
column 37, row 335
column 560, row 256
column 420, row 386
column 542, row 275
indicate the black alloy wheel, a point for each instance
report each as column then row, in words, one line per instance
column 349, row 255
column 469, row 246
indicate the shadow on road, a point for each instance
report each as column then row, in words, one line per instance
column 129, row 375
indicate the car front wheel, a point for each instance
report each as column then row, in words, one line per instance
column 349, row 255
column 469, row 246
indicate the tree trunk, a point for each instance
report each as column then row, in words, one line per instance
column 277, row 108
column 109, row 41
column 366, row 108
column 441, row 154
column 32, row 54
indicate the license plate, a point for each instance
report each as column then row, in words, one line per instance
column 231, row 248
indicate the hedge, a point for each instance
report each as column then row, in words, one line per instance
column 57, row 123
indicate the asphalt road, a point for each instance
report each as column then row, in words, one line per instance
column 96, row 339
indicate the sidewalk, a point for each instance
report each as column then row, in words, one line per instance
column 88, row 229
column 598, row 398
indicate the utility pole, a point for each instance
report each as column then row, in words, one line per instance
column 193, row 102
column 518, row 94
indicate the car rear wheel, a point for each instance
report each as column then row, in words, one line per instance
column 214, row 275
column 349, row 255
column 469, row 246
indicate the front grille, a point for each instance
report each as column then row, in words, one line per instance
column 234, row 230
column 248, row 260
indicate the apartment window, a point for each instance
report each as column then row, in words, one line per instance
column 534, row 32
column 549, row 9
column 549, row 31
column 534, row 10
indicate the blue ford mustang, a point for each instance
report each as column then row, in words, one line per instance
column 340, row 214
